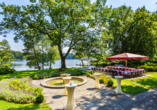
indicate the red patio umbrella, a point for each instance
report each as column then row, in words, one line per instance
column 127, row 56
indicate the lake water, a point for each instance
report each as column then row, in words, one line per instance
column 21, row 64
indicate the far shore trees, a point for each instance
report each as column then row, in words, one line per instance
column 65, row 22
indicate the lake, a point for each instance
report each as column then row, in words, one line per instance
column 21, row 64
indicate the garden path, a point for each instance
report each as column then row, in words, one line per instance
column 88, row 98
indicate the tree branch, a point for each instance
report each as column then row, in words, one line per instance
column 52, row 18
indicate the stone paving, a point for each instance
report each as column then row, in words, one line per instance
column 88, row 98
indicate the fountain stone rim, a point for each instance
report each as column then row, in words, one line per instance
column 44, row 82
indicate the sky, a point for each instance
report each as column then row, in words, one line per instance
column 149, row 5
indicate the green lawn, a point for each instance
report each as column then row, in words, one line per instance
column 4, row 105
column 131, row 86
column 19, row 74
column 128, row 86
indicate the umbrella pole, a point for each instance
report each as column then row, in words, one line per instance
column 125, row 63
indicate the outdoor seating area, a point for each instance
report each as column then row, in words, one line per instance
column 126, row 72
column 78, row 55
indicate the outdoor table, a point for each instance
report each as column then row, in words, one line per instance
column 70, row 103
column 118, row 89
column 66, row 81
column 129, row 72
column 64, row 75
column 126, row 71
column 97, row 75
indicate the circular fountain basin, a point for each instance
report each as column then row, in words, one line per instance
column 57, row 82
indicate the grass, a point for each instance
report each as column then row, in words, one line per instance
column 136, row 86
column 133, row 86
column 4, row 105
column 20, row 74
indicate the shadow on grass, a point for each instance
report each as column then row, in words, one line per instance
column 150, row 82
column 133, row 89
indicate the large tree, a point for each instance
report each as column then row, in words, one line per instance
column 65, row 22
column 143, row 33
column 133, row 32
column 119, row 23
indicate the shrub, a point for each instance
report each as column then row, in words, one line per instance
column 15, row 84
column 6, row 70
column 101, row 80
column 12, row 70
column 88, row 74
column 40, row 98
column 38, row 90
column 110, row 83
column 54, row 73
column 92, row 72
column 3, row 71
column 21, row 84
column 19, row 90
column 16, row 96
column 35, row 76
column 78, row 73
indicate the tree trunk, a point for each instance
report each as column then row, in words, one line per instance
column 38, row 65
column 36, row 57
column 82, row 63
column 63, row 65
column 42, row 66
column 42, row 58
column 50, row 65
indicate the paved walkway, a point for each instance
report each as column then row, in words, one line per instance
column 88, row 98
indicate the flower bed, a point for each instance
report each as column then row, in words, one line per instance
column 20, row 91
column 55, row 73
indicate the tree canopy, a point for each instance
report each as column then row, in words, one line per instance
column 133, row 32
column 5, row 56
column 65, row 22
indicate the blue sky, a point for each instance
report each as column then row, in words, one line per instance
column 149, row 4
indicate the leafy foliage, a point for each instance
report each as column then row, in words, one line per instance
column 17, row 55
column 110, row 83
column 5, row 56
column 6, row 70
column 38, row 90
column 65, row 22
column 101, row 80
column 49, row 74
column 40, row 98
column 40, row 52
column 20, row 91
column 133, row 32
column 18, row 97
